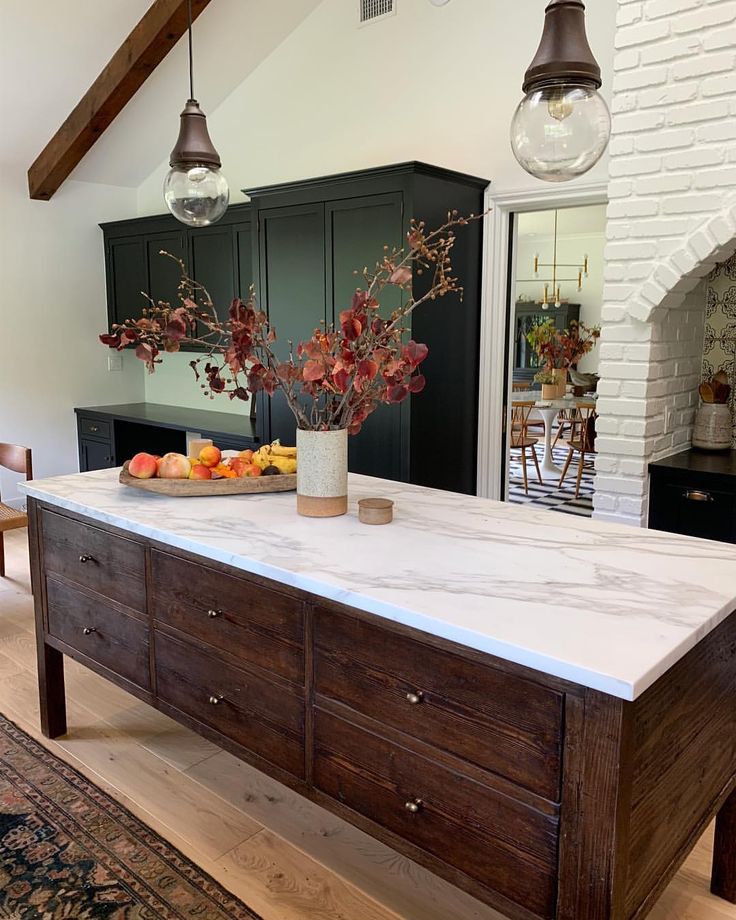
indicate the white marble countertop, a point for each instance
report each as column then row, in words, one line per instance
column 603, row 605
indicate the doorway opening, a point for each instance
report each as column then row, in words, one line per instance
column 554, row 301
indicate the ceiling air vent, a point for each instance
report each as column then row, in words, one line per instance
column 372, row 10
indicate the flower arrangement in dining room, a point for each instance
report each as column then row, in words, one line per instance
column 332, row 381
column 558, row 350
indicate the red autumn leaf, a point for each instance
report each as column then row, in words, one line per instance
column 417, row 383
column 414, row 352
column 360, row 300
column 397, row 393
column 313, row 370
column 367, row 369
column 340, row 379
column 351, row 325
column 175, row 329
column 113, row 341
column 400, row 276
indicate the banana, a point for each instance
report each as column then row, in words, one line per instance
column 284, row 464
column 277, row 450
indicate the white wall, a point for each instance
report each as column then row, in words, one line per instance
column 433, row 84
column 51, row 312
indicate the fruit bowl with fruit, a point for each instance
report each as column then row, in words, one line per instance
column 271, row 468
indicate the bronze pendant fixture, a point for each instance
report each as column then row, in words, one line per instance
column 195, row 190
column 562, row 125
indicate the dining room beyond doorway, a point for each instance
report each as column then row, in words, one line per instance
column 554, row 310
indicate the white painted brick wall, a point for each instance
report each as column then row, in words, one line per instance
column 671, row 217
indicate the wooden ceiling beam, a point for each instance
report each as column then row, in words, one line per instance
column 158, row 31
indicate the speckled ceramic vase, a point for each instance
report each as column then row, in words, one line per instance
column 322, row 473
column 713, row 427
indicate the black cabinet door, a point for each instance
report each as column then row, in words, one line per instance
column 357, row 229
column 243, row 258
column 212, row 266
column 164, row 273
column 126, row 278
column 292, row 289
column 95, row 455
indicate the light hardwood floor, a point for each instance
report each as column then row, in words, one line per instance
column 286, row 858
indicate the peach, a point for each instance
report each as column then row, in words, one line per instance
column 210, row 455
column 255, row 470
column 239, row 466
column 200, row 471
column 246, row 455
column 174, row 466
column 143, row 466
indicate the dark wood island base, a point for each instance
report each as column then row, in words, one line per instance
column 541, row 797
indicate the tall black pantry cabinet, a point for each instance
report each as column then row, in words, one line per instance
column 312, row 238
column 300, row 244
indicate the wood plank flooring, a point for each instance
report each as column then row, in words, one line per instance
column 285, row 857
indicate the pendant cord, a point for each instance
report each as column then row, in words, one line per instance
column 191, row 57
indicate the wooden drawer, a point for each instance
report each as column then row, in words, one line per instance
column 502, row 843
column 112, row 566
column 501, row 723
column 260, row 715
column 260, row 626
column 94, row 428
column 102, row 632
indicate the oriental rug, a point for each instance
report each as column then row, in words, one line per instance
column 68, row 850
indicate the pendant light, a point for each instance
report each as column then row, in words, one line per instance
column 195, row 191
column 562, row 124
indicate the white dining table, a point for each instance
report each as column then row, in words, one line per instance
column 549, row 409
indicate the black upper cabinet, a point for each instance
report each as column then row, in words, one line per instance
column 302, row 244
column 364, row 211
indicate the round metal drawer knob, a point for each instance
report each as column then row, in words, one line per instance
column 88, row 630
column 215, row 700
column 415, row 698
column 414, row 806
column 214, row 613
column 85, row 557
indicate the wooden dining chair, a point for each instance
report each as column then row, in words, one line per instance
column 17, row 459
column 521, row 440
column 582, row 441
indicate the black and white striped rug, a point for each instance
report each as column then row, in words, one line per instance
column 549, row 495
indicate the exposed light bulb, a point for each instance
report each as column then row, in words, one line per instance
column 559, row 132
column 196, row 195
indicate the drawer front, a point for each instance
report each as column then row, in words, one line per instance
column 94, row 428
column 504, row 844
column 693, row 509
column 257, row 714
column 501, row 723
column 112, row 566
column 260, row 626
column 103, row 633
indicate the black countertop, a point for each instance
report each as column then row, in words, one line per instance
column 716, row 463
column 199, row 420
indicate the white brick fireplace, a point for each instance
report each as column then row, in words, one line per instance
column 671, row 218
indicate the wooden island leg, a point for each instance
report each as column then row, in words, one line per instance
column 51, row 693
column 723, row 877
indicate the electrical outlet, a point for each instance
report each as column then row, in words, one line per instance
column 115, row 362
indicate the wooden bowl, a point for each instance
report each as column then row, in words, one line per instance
column 186, row 488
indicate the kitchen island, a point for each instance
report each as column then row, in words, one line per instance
column 539, row 708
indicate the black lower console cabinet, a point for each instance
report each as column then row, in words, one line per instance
column 694, row 493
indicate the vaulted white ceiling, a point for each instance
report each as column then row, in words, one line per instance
column 50, row 53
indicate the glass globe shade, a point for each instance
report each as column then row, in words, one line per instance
column 559, row 132
column 196, row 195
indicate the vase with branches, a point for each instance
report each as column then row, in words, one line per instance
column 558, row 350
column 332, row 381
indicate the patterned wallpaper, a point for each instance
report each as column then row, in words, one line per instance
column 719, row 345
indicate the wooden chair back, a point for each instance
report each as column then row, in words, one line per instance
column 586, row 420
column 520, row 386
column 17, row 459
column 520, row 421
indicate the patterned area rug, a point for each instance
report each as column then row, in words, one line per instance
column 549, row 495
column 67, row 850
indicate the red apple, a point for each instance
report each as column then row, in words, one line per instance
column 200, row 471
column 210, row 456
column 143, row 466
